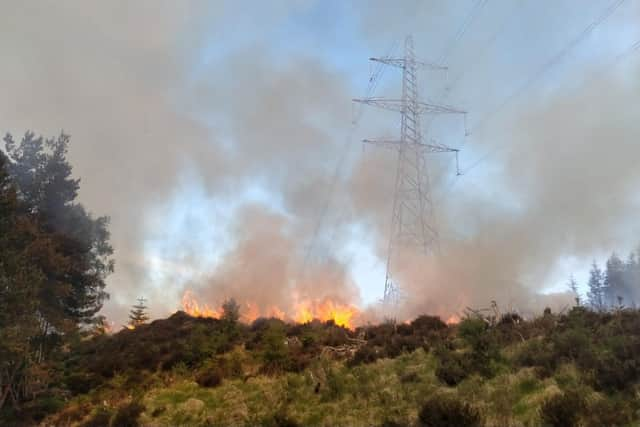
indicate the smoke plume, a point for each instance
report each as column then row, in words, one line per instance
column 214, row 137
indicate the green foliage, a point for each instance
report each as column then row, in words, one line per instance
column 280, row 419
column 482, row 355
column 391, row 340
column 452, row 367
column 562, row 410
column 230, row 311
column 79, row 256
column 127, row 415
column 209, row 378
column 445, row 410
column 537, row 353
column 275, row 354
column 54, row 259
column 138, row 314
column 425, row 325
column 610, row 412
column 100, row 418
column 257, row 384
column 159, row 345
column 597, row 290
column 21, row 281
column 472, row 330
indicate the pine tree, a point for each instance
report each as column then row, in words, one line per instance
column 231, row 311
column 596, row 292
column 614, row 280
column 573, row 287
column 47, row 192
column 138, row 314
column 632, row 278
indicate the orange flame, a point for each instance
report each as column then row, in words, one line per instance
column 341, row 314
column 276, row 312
column 453, row 319
column 192, row 308
column 252, row 312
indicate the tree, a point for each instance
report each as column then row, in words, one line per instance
column 79, row 259
column 596, row 294
column 54, row 258
column 230, row 311
column 632, row 278
column 614, row 280
column 20, row 280
column 573, row 287
column 138, row 314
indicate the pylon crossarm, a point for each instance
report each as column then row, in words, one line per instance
column 395, row 144
column 400, row 62
column 439, row 148
column 400, row 105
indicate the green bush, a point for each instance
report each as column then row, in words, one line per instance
column 472, row 330
column 443, row 411
column 82, row 382
column 452, row 368
column 100, row 418
column 537, row 353
column 562, row 410
column 127, row 415
column 39, row 408
column 275, row 354
column 614, row 374
column 209, row 378
column 280, row 419
column 365, row 354
column 609, row 412
column 426, row 326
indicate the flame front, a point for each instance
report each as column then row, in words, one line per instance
column 306, row 311
column 192, row 308
column 341, row 314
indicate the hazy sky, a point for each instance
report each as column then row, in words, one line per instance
column 215, row 134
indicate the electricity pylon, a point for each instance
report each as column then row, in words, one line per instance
column 412, row 220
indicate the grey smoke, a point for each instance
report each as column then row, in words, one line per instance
column 146, row 127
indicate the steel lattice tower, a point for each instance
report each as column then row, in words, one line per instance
column 412, row 221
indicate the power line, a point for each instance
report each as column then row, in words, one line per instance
column 471, row 16
column 448, row 89
column 551, row 62
column 337, row 173
column 634, row 47
column 618, row 58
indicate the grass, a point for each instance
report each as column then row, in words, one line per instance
column 367, row 395
column 387, row 390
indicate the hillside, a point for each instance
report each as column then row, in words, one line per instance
column 577, row 368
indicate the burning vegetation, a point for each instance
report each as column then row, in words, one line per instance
column 323, row 310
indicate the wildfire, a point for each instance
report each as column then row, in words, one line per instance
column 306, row 311
column 453, row 319
column 191, row 307
column 341, row 314
column 251, row 313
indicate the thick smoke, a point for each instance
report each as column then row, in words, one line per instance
column 570, row 185
column 214, row 155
